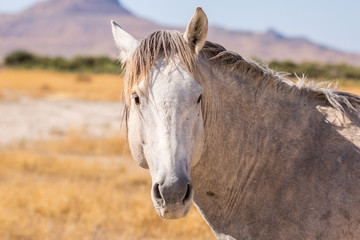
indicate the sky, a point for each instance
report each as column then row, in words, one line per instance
column 332, row 23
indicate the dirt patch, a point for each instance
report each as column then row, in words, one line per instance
column 25, row 119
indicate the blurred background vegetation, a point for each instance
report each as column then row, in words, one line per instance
column 317, row 70
column 104, row 64
column 27, row 60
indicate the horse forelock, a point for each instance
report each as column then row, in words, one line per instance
column 160, row 44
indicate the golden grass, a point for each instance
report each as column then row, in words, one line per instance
column 41, row 83
column 352, row 86
column 52, row 190
column 76, row 143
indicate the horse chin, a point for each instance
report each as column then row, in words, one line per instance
column 175, row 211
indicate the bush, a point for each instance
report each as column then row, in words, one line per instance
column 22, row 58
column 317, row 70
column 103, row 64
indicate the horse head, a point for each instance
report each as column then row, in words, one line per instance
column 164, row 110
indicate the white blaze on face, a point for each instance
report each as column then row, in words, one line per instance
column 170, row 123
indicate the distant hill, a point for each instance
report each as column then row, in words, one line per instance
column 82, row 27
column 69, row 27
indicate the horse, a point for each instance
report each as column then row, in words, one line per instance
column 260, row 156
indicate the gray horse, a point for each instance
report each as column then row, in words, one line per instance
column 260, row 156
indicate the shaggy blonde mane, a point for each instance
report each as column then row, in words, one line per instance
column 323, row 92
column 171, row 45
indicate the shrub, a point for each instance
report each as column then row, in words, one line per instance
column 22, row 58
column 317, row 70
column 102, row 64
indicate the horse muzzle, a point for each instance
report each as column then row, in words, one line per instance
column 172, row 198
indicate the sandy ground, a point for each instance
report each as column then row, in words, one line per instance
column 26, row 119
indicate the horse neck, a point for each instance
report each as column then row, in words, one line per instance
column 250, row 129
column 250, row 114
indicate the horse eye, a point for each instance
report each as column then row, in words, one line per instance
column 199, row 99
column 137, row 100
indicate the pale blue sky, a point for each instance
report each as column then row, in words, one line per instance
column 331, row 23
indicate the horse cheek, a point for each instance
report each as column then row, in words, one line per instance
column 136, row 144
column 199, row 142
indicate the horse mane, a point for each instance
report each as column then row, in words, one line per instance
column 170, row 44
column 229, row 62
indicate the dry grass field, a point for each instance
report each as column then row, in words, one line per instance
column 77, row 186
column 40, row 83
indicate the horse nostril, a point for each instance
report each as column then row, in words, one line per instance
column 178, row 192
column 188, row 192
column 156, row 191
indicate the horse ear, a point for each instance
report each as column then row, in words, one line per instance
column 124, row 41
column 196, row 31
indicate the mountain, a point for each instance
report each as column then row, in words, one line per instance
column 68, row 28
column 82, row 27
column 77, row 7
